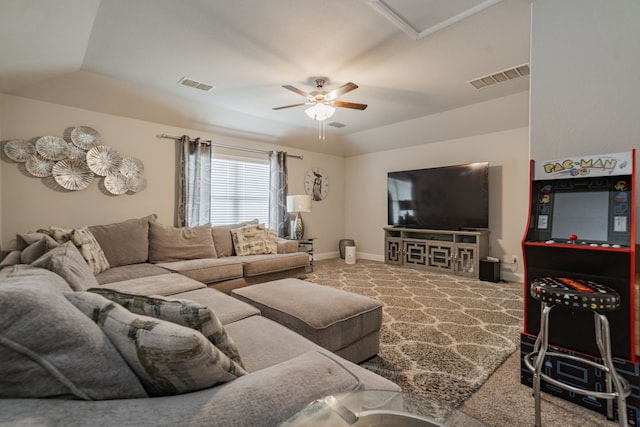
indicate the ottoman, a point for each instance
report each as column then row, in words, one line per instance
column 342, row 322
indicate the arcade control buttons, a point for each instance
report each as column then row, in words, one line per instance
column 576, row 293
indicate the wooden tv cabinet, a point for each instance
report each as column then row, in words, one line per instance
column 444, row 251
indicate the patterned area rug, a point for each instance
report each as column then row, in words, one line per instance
column 442, row 335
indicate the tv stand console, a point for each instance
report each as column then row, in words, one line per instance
column 445, row 251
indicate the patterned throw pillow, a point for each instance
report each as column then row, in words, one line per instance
column 168, row 359
column 60, row 235
column 272, row 241
column 254, row 239
column 90, row 250
column 183, row 312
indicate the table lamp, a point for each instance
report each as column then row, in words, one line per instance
column 298, row 203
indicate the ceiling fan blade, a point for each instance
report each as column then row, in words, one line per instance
column 347, row 87
column 349, row 105
column 296, row 90
column 289, row 106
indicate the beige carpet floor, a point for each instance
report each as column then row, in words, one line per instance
column 452, row 339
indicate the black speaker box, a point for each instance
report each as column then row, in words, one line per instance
column 489, row 270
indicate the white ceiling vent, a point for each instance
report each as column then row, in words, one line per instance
column 501, row 76
column 336, row 124
column 195, row 84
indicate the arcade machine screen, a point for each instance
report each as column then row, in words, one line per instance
column 585, row 214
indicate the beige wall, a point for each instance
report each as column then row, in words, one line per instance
column 28, row 203
column 585, row 78
column 507, row 154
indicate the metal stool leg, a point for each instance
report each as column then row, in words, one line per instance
column 570, row 292
column 603, row 340
column 540, row 347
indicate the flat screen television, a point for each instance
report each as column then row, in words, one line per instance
column 444, row 198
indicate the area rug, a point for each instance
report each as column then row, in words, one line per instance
column 442, row 335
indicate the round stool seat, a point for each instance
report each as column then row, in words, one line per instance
column 575, row 293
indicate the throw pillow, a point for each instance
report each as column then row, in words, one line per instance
column 49, row 349
column 24, row 240
column 126, row 242
column 12, row 258
column 36, row 249
column 90, row 250
column 68, row 263
column 254, row 239
column 181, row 311
column 60, row 235
column 272, row 241
column 168, row 243
column 222, row 238
column 169, row 359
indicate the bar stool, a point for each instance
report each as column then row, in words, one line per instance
column 577, row 295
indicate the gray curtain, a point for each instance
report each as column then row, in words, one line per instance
column 194, row 189
column 278, row 185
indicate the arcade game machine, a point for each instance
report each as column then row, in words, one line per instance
column 582, row 226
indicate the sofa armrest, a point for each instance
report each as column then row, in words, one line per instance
column 263, row 399
column 286, row 246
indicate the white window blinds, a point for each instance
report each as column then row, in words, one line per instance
column 239, row 190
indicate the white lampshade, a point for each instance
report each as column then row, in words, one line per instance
column 299, row 203
column 320, row 111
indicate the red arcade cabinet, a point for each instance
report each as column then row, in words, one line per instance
column 582, row 226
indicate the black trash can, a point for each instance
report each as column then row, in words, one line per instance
column 343, row 244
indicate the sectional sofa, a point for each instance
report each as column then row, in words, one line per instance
column 79, row 347
column 142, row 247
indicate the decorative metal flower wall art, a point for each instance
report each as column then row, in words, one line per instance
column 77, row 159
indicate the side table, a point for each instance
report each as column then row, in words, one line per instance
column 306, row 245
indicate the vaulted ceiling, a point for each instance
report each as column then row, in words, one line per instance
column 412, row 59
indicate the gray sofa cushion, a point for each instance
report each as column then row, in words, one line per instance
column 66, row 261
column 180, row 311
column 228, row 309
column 168, row 358
column 207, row 270
column 263, row 342
column 162, row 284
column 128, row 272
column 125, row 242
column 256, row 265
column 50, row 349
column 168, row 243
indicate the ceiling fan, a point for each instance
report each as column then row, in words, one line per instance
column 321, row 96
column 322, row 103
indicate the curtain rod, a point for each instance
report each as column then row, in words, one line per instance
column 230, row 147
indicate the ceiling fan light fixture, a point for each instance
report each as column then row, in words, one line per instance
column 320, row 111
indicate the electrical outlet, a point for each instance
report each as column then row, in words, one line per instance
column 515, row 259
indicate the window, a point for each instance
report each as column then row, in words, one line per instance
column 239, row 190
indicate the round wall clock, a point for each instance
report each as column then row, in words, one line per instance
column 316, row 184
